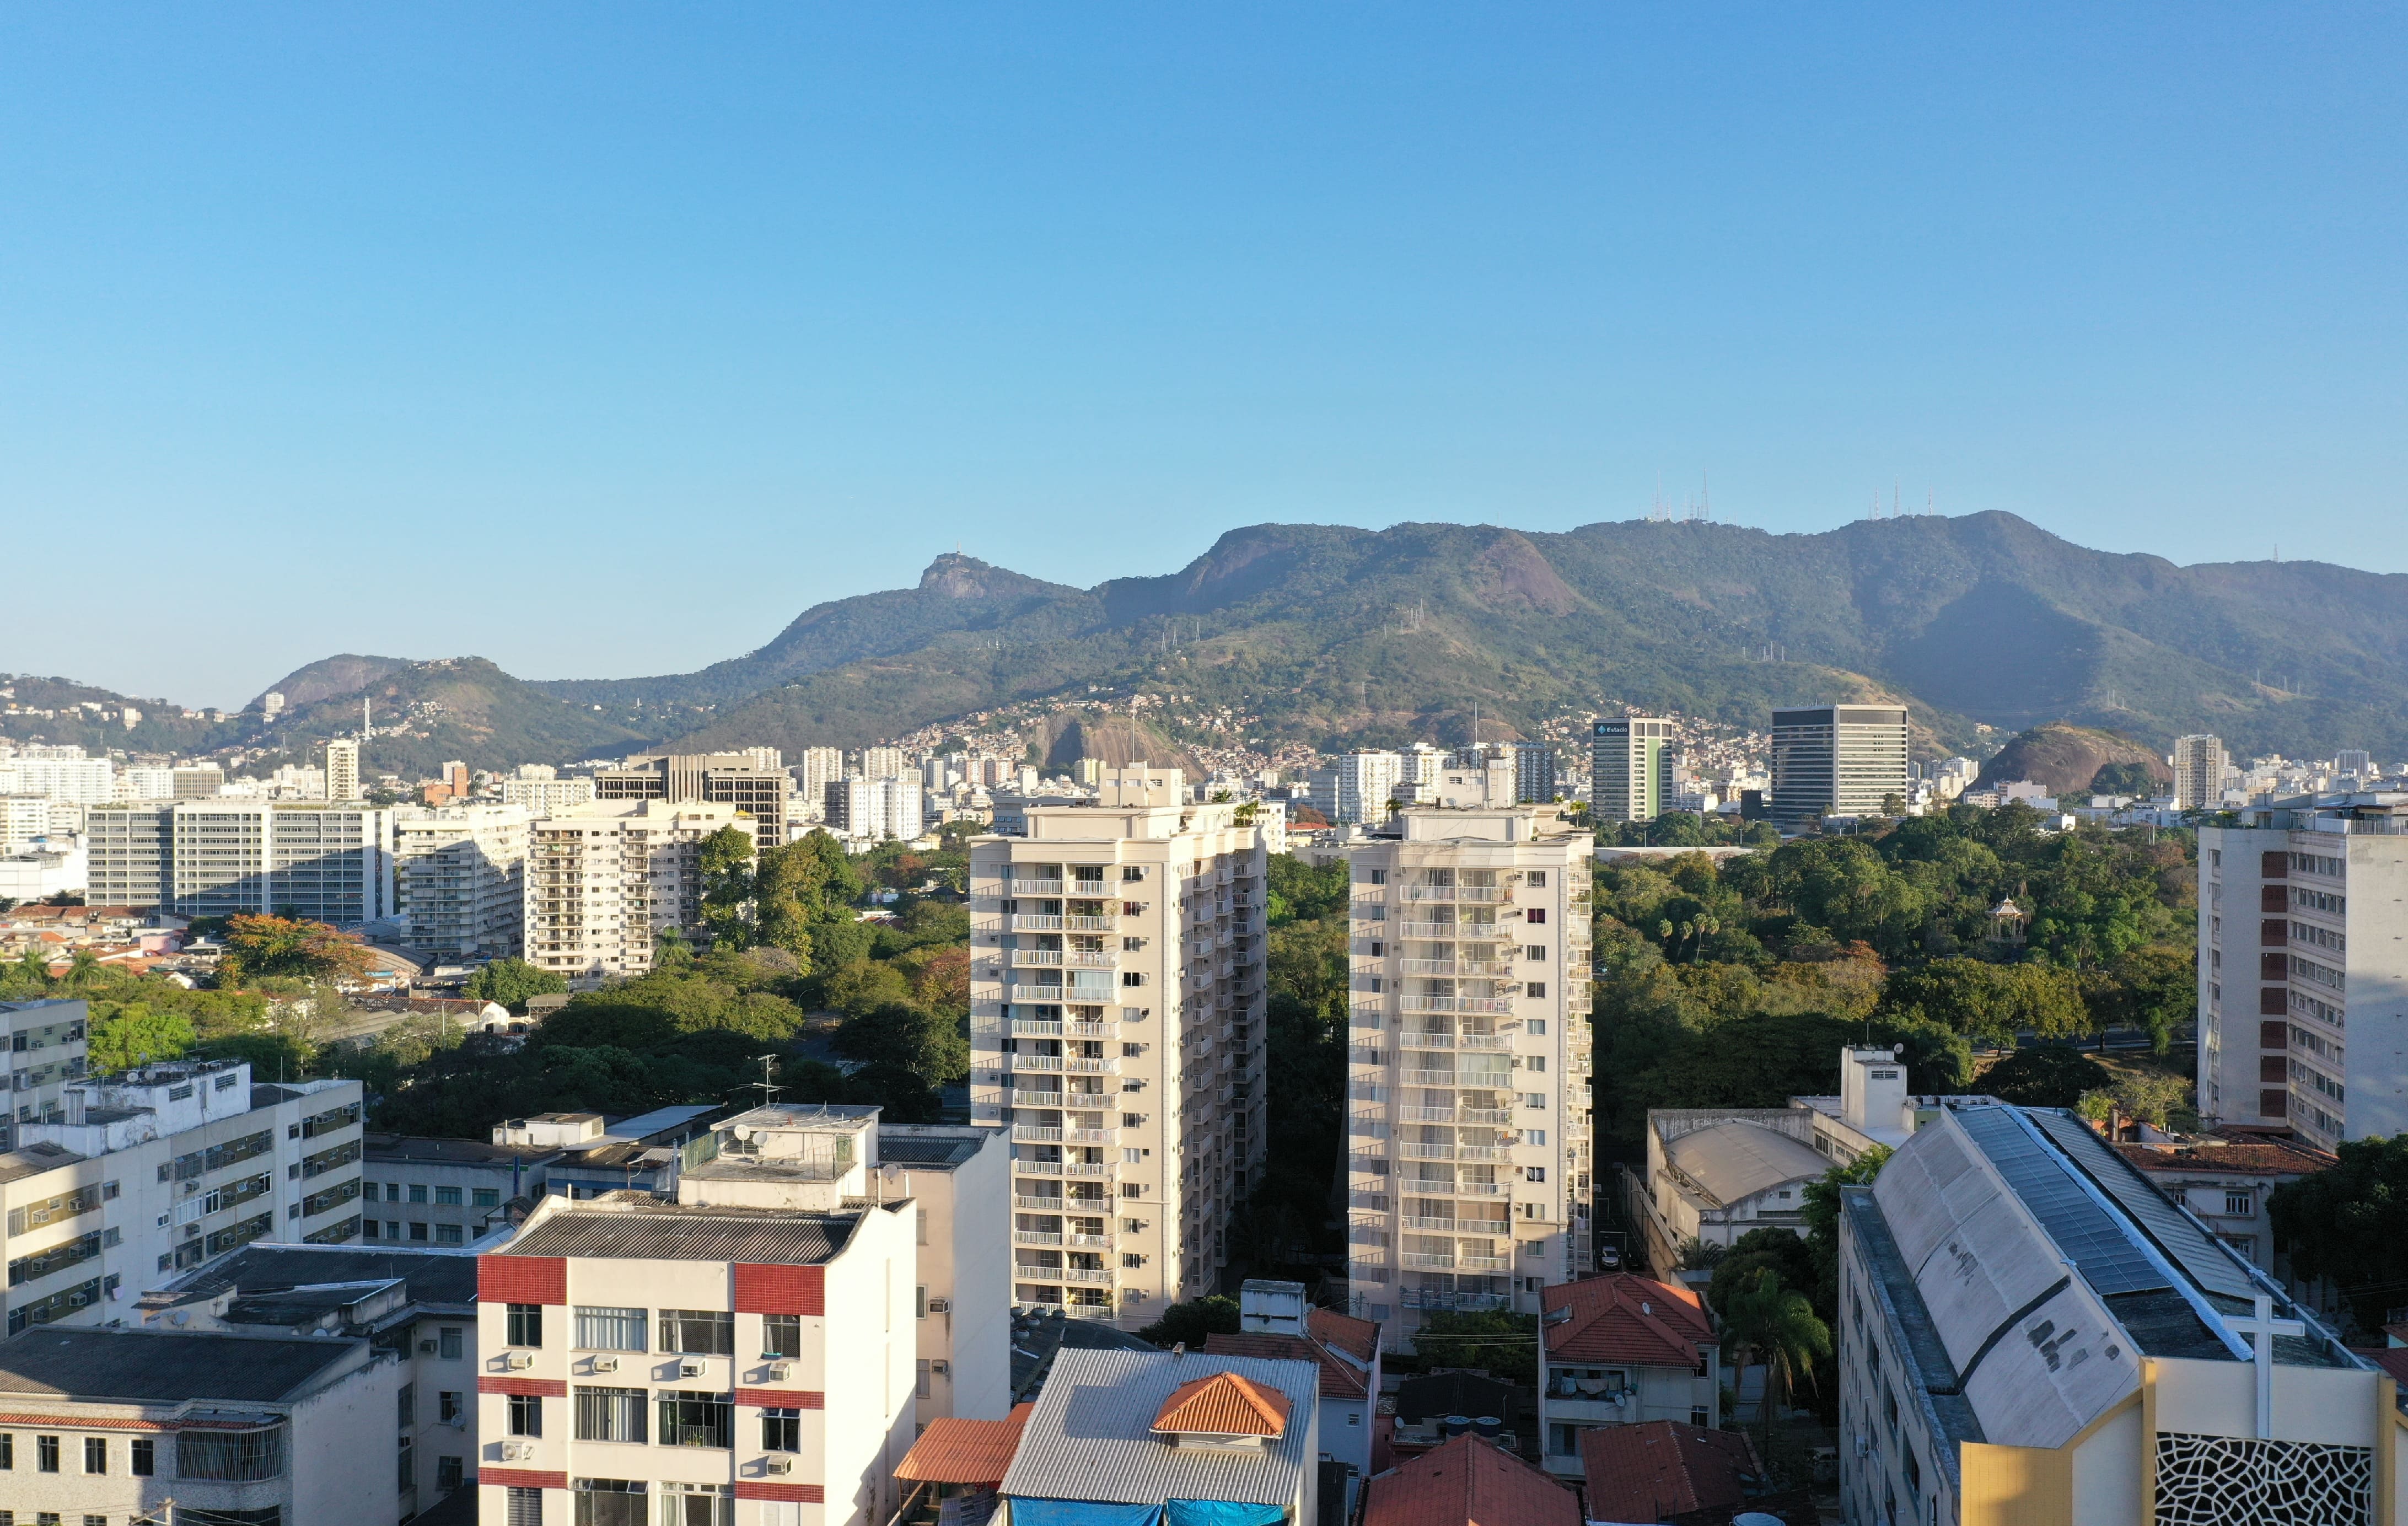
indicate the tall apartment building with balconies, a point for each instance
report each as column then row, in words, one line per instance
column 603, row 879
column 2303, row 971
column 45, row 1044
column 1116, row 1024
column 459, row 878
column 330, row 863
column 753, row 781
column 1469, row 1056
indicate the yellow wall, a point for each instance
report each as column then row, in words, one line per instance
column 2016, row 1486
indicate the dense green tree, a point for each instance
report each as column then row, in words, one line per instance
column 1498, row 1342
column 1991, row 1002
column 1782, row 1251
column 1190, row 1324
column 2348, row 1222
column 2046, row 1075
column 1297, row 891
column 727, row 883
column 908, row 1037
column 136, row 1035
column 864, row 987
column 510, row 982
column 270, row 947
column 1822, row 1216
column 1779, row 1327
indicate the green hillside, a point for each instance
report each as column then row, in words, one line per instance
column 427, row 713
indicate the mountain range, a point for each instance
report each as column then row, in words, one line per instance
column 1340, row 637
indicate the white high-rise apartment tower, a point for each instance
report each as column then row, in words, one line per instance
column 1364, row 781
column 2199, row 772
column 1468, row 1097
column 2304, row 970
column 1116, row 1024
column 459, row 878
column 820, row 767
column 882, row 763
column 342, row 769
column 604, row 878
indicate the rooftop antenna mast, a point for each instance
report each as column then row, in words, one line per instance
column 766, row 1088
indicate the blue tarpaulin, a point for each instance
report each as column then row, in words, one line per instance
column 1026, row 1512
column 1221, row 1513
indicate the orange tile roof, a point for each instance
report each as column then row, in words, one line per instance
column 1224, row 1405
column 1357, row 1338
column 1627, row 1318
column 954, row 1451
column 1467, row 1482
column 2244, row 1158
column 1659, row 1469
column 1338, row 1379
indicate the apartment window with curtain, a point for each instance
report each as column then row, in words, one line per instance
column 609, row 1414
column 600, row 1329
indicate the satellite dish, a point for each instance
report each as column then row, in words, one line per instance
column 744, row 1131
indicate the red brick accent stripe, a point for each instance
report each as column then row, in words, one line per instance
column 541, row 1388
column 780, row 1289
column 781, row 1398
column 521, row 1279
column 522, row 1478
column 797, row 1493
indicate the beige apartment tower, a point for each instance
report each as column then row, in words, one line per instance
column 1469, row 1159
column 459, row 878
column 1116, row 1024
column 603, row 879
column 342, row 769
column 2199, row 765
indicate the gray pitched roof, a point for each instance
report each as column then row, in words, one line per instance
column 673, row 1233
column 434, row 1277
column 155, row 1367
column 1091, row 1437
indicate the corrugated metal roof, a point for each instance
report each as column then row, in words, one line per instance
column 1091, row 1437
column 1736, row 1160
column 667, row 1233
column 160, row 1367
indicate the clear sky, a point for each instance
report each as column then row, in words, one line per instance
column 602, row 339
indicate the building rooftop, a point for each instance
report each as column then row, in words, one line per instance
column 1467, row 1481
column 959, row 1451
column 16, row 1165
column 931, row 1147
column 663, row 1231
column 1339, row 1379
column 427, row 1150
column 1439, row 1394
column 1730, row 1161
column 1661, row 1470
column 1092, row 1434
column 1224, row 1405
column 443, row 1279
column 2231, row 1158
column 660, row 1120
column 155, row 1367
column 1624, row 1319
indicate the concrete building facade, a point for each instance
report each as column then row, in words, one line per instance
column 2199, row 763
column 1116, row 1024
column 604, row 879
column 1630, row 768
column 2302, row 970
column 460, row 879
column 342, row 769
column 1837, row 760
column 1469, row 1056
column 224, row 858
column 960, row 1178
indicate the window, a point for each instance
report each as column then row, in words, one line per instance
column 2237, row 1203
column 525, row 1325
column 697, row 1420
column 46, row 1453
column 603, row 1502
column 447, row 1473
column 604, row 1328
column 392, row 1191
column 1534, row 1136
column 447, row 1405
column 8, row 1450
column 1130, row 1156
column 1536, row 989
column 1534, row 1174
column 486, row 1197
column 782, row 1334
column 1536, row 915
column 405, row 1466
column 418, row 1191
column 95, row 1454
column 447, row 1196
column 526, row 1415
column 524, row 1506
column 698, row 1332
column 1537, row 1026
column 920, row 1379
column 781, row 1430
column 369, row 1229
column 141, row 1457
column 697, row 1504
column 447, row 1343
column 1537, row 953
column 231, row 1456
column 446, row 1234
column 405, row 1405
column 1698, row 1414
column 417, row 1231
column 609, row 1414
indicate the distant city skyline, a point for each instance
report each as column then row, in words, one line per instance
column 407, row 333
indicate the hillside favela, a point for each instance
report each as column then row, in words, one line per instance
column 1450, row 812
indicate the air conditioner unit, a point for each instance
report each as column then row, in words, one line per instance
column 941, row 1368
column 603, row 1364
column 426, row 1349
column 777, row 1464
column 516, row 1451
column 518, row 1361
column 689, row 1369
column 780, row 1372
column 941, row 1305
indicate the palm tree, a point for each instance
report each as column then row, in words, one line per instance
column 1779, row 1328
column 83, row 967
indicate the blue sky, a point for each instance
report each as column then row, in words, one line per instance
column 602, row 339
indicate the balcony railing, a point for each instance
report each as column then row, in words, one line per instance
column 1035, row 1133
column 1042, row 1205
column 1037, row 887
column 1036, row 1099
column 1427, row 1297
column 1426, row 1152
column 1085, row 1274
column 1443, row 931
column 1482, row 1263
column 1427, row 1261
column 1036, row 1237
column 1037, row 1168
column 1414, row 1038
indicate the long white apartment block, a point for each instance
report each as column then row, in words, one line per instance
column 1116, row 1024
column 459, row 878
column 71, row 776
column 960, row 1178
column 539, row 787
column 166, row 1169
column 741, row 1356
column 1469, row 1158
column 604, row 878
column 44, row 1044
column 330, row 863
column 2303, row 969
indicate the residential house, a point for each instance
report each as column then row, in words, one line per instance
column 1663, row 1470
column 1619, row 1350
column 1280, row 1323
column 1468, row 1481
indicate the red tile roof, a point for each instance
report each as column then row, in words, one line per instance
column 1626, row 1319
column 1467, row 1482
column 1224, row 1405
column 2391, row 1359
column 2239, row 1158
column 1337, row 1380
column 954, row 1451
column 1662, row 1468
column 1357, row 1338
